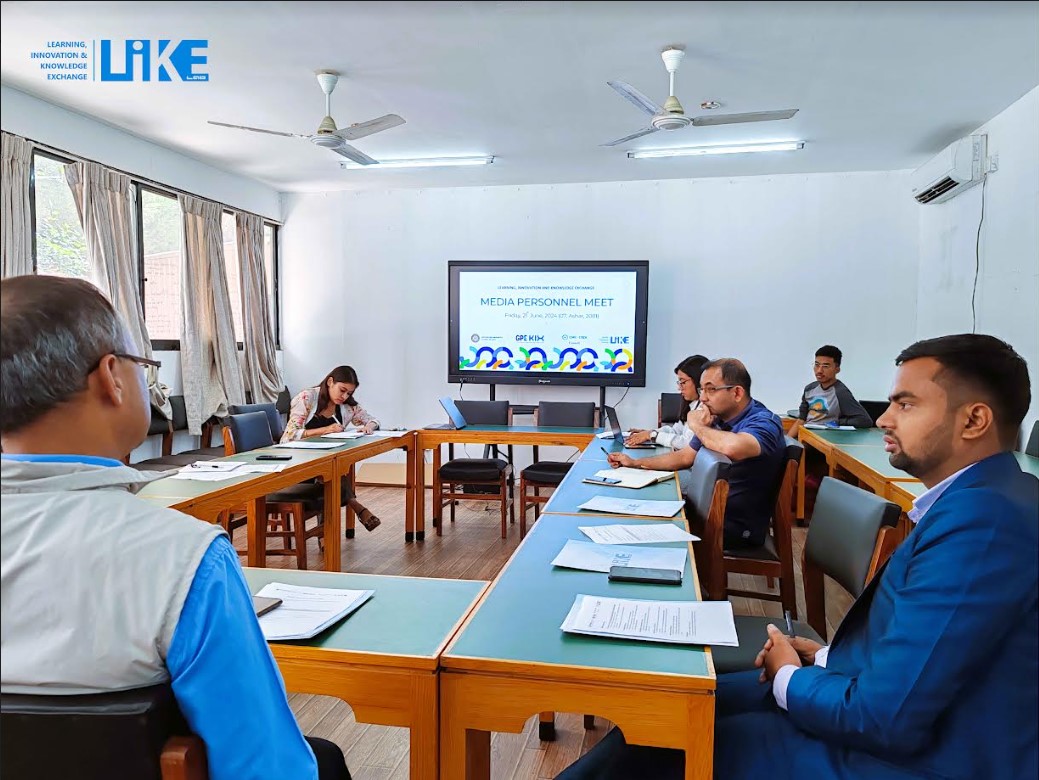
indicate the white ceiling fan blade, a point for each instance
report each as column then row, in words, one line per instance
column 636, row 98
column 258, row 130
column 356, row 155
column 362, row 129
column 639, row 134
column 753, row 116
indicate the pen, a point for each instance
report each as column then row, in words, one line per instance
column 789, row 626
column 605, row 450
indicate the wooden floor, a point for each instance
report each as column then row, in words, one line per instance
column 472, row 548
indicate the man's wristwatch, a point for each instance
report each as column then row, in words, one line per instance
column 653, row 436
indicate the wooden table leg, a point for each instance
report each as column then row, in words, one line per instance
column 333, row 559
column 351, row 515
column 411, row 470
column 425, row 725
column 801, row 471
column 420, row 488
column 256, row 531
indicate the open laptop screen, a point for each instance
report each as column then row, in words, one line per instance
column 453, row 412
column 614, row 423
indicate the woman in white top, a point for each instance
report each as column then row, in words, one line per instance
column 677, row 435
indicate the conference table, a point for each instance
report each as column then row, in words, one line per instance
column 384, row 659
column 573, row 491
column 208, row 500
column 509, row 662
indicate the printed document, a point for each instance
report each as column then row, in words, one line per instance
column 307, row 445
column 305, row 612
column 589, row 556
column 629, row 477
column 675, row 622
column 348, row 434
column 642, row 533
column 196, row 475
column 625, row 506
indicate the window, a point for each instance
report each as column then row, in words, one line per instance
column 61, row 246
column 234, row 281
column 162, row 231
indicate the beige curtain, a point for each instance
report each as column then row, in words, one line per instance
column 15, row 223
column 107, row 205
column 208, row 355
column 262, row 377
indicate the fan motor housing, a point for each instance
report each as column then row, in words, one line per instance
column 328, row 141
column 670, row 121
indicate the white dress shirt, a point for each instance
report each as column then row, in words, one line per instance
column 920, row 507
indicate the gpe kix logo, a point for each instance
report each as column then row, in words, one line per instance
column 529, row 338
column 147, row 60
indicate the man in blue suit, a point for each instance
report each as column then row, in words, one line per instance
column 934, row 670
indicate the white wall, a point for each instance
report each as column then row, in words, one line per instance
column 762, row 268
column 1007, row 298
column 80, row 135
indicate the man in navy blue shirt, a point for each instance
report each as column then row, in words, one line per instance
column 729, row 421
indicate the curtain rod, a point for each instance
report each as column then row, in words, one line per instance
column 142, row 180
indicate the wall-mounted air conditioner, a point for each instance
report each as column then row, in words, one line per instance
column 958, row 167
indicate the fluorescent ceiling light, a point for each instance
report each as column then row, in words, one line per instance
column 427, row 162
column 691, row 151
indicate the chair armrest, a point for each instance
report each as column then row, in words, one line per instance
column 184, row 758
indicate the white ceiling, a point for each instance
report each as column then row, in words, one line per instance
column 879, row 86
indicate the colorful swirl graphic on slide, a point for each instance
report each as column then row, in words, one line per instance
column 537, row 359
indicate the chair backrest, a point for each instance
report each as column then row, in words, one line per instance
column 788, row 473
column 484, row 412
column 102, row 735
column 180, row 413
column 284, row 402
column 669, row 408
column 248, row 431
column 875, row 409
column 567, row 414
column 159, row 424
column 707, row 469
column 271, row 410
column 843, row 533
column 1032, row 448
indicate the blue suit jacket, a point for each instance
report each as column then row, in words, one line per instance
column 935, row 669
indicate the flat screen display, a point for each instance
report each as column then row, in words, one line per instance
column 566, row 323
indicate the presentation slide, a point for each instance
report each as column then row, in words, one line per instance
column 560, row 322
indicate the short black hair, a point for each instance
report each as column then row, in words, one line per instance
column 973, row 362
column 830, row 351
column 733, row 372
column 692, row 367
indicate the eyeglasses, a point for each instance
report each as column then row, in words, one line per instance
column 711, row 390
column 146, row 362
column 683, row 382
column 824, row 365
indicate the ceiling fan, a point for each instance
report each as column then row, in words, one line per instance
column 672, row 115
column 328, row 135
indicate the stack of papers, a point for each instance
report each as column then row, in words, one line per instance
column 623, row 506
column 637, row 534
column 827, row 427
column 219, row 475
column 629, row 477
column 306, row 612
column 589, row 556
column 350, row 434
column 307, row 445
column 674, row 622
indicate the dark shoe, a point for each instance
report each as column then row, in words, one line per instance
column 368, row 520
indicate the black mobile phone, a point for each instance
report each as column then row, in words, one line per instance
column 652, row 576
column 606, row 480
column 273, row 457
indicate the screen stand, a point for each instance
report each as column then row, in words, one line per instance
column 602, row 403
column 491, row 397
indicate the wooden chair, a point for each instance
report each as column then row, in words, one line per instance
column 287, row 509
column 458, row 473
column 851, row 537
column 669, row 408
column 547, row 474
column 774, row 559
column 707, row 493
column 138, row 733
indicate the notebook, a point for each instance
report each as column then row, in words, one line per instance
column 628, row 477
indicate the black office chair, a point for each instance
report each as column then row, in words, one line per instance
column 284, row 403
column 549, row 473
column 486, row 478
column 851, row 536
column 274, row 419
column 138, row 733
column 874, row 409
column 1032, row 448
column 669, row 408
column 288, row 509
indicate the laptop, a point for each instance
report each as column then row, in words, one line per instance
column 618, row 432
column 453, row 413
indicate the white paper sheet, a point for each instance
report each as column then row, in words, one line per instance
column 387, row 434
column 629, row 477
column 348, row 434
column 198, row 475
column 643, row 533
column 305, row 612
column 626, row 506
column 588, row 556
column 824, row 427
column 307, row 445
column 674, row 622
column 214, row 465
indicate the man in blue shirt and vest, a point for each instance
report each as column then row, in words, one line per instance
column 729, row 421
column 933, row 672
column 102, row 590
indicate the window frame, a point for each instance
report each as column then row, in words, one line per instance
column 32, row 194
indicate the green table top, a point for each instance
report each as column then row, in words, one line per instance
column 507, row 626
column 1028, row 463
column 411, row 616
column 599, row 447
column 876, row 459
column 524, row 429
column 573, row 492
column 861, row 436
column 915, row 489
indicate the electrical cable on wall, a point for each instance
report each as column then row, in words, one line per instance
column 977, row 261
